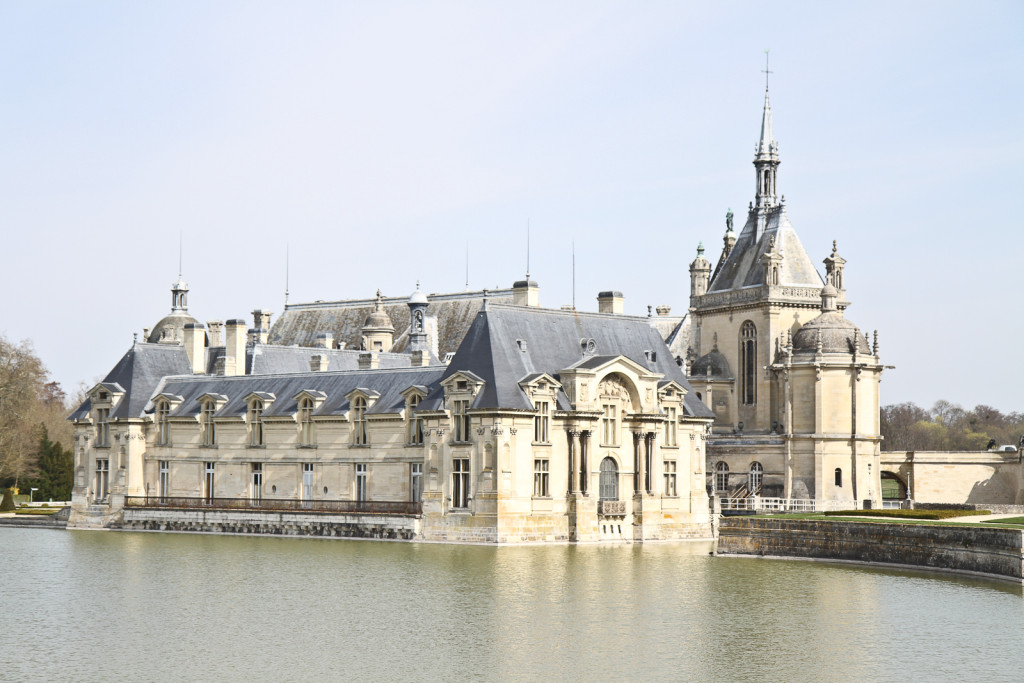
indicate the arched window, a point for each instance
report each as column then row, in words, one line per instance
column 748, row 363
column 721, row 476
column 609, row 488
column 206, row 423
column 163, row 436
column 306, row 422
column 359, row 422
column 754, row 477
column 256, row 423
column 839, row 476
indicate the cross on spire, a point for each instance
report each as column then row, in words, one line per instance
column 766, row 70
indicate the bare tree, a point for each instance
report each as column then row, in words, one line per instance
column 23, row 410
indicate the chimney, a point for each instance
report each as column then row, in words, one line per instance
column 253, row 337
column 195, row 347
column 663, row 311
column 318, row 362
column 420, row 358
column 610, row 302
column 216, row 332
column 324, row 340
column 145, row 333
column 234, row 351
column 261, row 319
column 526, row 293
column 368, row 360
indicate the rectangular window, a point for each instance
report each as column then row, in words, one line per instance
column 256, row 485
column 542, row 423
column 163, row 436
column 609, row 425
column 307, row 484
column 206, row 424
column 416, row 482
column 670, row 478
column 671, row 425
column 460, row 483
column 102, row 479
column 208, row 481
column 359, row 436
column 102, row 427
column 256, row 423
column 540, row 478
column 306, row 422
column 164, row 481
column 461, row 421
column 415, row 423
column 361, row 481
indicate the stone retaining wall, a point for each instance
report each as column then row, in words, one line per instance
column 997, row 552
column 396, row 527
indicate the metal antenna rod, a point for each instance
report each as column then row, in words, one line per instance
column 467, row 265
column 179, row 252
column 574, row 275
column 766, row 71
column 287, row 254
column 527, row 248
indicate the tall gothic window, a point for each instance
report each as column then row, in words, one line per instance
column 755, row 477
column 306, row 422
column 103, row 427
column 721, row 476
column 460, row 483
column 748, row 363
column 359, row 422
column 461, row 421
column 671, row 425
column 609, row 425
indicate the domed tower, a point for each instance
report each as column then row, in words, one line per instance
column 378, row 332
column 171, row 328
column 700, row 273
column 827, row 377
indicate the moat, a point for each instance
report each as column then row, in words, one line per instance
column 93, row 605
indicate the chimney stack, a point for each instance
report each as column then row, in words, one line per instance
column 318, row 362
column 526, row 293
column 420, row 358
column 195, row 347
column 368, row 360
column 216, row 332
column 324, row 340
column 261, row 319
column 610, row 302
column 663, row 311
column 234, row 351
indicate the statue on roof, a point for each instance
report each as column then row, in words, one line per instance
column 728, row 220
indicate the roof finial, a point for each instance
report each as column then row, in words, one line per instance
column 527, row 248
column 286, row 258
column 766, row 70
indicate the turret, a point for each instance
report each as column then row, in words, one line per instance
column 700, row 273
column 418, row 321
column 766, row 160
column 378, row 332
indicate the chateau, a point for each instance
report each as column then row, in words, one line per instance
column 484, row 417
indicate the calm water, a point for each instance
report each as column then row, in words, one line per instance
column 101, row 606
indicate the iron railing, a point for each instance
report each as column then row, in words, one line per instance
column 362, row 507
column 757, row 504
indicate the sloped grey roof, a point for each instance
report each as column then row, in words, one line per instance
column 336, row 385
column 743, row 268
column 714, row 360
column 270, row 359
column 140, row 372
column 553, row 344
column 300, row 323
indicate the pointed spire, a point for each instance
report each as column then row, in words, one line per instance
column 767, row 142
column 766, row 156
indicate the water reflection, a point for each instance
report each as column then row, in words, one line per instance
column 93, row 606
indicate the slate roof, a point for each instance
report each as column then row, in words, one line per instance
column 553, row 343
column 389, row 384
column 454, row 313
column 140, row 372
column 270, row 359
column 743, row 267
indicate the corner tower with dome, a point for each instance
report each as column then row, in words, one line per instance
column 792, row 383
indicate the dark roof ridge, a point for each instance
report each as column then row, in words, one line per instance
column 433, row 298
column 311, row 373
column 494, row 305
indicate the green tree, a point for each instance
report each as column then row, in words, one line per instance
column 54, row 471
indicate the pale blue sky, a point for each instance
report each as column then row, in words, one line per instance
column 377, row 138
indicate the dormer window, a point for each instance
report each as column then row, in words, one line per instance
column 460, row 420
column 306, row 435
column 542, row 423
column 671, row 425
column 207, row 429
column 359, row 435
column 609, row 424
column 163, row 427
column 255, row 419
column 415, row 424
column 103, row 396
column 461, row 385
column 103, row 427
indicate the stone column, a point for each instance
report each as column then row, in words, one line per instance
column 637, row 469
column 648, row 461
column 584, row 465
column 572, row 434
